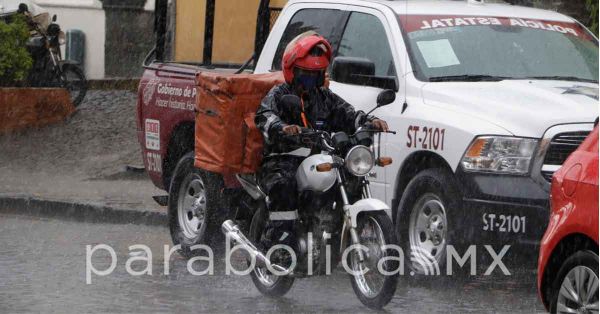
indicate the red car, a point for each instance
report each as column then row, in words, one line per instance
column 568, row 261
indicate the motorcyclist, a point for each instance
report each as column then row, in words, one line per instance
column 30, row 11
column 305, row 62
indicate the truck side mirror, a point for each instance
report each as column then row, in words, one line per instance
column 360, row 71
column 351, row 70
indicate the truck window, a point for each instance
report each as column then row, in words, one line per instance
column 499, row 47
column 365, row 37
column 326, row 22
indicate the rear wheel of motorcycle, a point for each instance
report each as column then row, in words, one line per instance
column 195, row 205
column 73, row 80
column 267, row 283
column 375, row 284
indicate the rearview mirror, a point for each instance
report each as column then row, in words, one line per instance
column 360, row 71
column 386, row 97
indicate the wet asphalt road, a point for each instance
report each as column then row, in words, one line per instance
column 43, row 269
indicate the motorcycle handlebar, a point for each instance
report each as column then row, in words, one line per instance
column 378, row 131
column 308, row 132
column 369, row 127
column 303, row 132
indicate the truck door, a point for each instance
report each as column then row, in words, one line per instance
column 366, row 35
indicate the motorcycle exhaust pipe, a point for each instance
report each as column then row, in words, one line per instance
column 230, row 229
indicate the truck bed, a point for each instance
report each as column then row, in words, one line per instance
column 165, row 115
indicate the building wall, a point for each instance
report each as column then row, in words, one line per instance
column 278, row 3
column 88, row 16
column 189, row 28
column 234, row 29
column 119, row 33
column 129, row 37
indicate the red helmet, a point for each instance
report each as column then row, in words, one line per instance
column 300, row 53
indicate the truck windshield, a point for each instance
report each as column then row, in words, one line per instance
column 464, row 48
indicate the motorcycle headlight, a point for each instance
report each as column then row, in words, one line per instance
column 359, row 160
column 497, row 154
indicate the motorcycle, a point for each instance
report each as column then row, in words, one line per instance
column 49, row 69
column 338, row 220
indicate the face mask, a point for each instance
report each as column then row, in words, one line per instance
column 308, row 81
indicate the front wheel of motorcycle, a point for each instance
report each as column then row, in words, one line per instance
column 73, row 80
column 374, row 279
column 267, row 283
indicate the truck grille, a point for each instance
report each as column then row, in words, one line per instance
column 561, row 146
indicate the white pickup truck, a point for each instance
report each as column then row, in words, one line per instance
column 491, row 98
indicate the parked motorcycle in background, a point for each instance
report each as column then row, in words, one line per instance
column 49, row 69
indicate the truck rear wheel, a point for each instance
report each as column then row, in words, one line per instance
column 422, row 222
column 195, row 205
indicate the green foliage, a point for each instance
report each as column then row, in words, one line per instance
column 15, row 60
column 592, row 7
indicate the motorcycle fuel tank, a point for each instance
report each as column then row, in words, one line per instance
column 309, row 179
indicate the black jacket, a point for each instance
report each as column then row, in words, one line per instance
column 324, row 110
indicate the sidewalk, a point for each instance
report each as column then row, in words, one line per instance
column 131, row 193
column 80, row 165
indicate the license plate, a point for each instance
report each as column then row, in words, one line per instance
column 504, row 223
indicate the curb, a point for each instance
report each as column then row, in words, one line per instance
column 29, row 206
column 130, row 84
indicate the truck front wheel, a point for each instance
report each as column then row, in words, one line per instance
column 194, row 204
column 422, row 222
